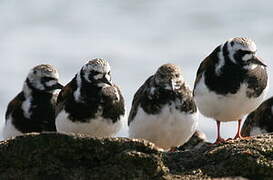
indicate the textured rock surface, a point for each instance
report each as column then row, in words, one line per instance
column 63, row 157
column 56, row 156
column 252, row 158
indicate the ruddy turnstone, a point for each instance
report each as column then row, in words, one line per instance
column 90, row 103
column 163, row 110
column 259, row 121
column 230, row 83
column 33, row 109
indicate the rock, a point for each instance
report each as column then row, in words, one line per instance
column 64, row 157
column 67, row 157
column 251, row 158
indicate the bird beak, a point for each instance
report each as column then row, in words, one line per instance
column 106, row 81
column 173, row 84
column 57, row 86
column 257, row 60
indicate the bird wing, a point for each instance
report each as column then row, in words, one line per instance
column 203, row 66
column 14, row 104
column 137, row 99
column 112, row 102
column 261, row 117
column 64, row 94
column 247, row 126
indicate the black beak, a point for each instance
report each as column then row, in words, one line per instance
column 57, row 86
column 106, row 81
column 257, row 60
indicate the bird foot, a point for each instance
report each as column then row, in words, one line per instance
column 238, row 137
column 219, row 140
column 173, row 149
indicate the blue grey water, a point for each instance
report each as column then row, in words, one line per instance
column 136, row 37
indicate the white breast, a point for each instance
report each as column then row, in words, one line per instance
column 230, row 107
column 98, row 127
column 168, row 129
column 9, row 130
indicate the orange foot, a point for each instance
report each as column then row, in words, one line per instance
column 219, row 140
column 173, row 149
column 239, row 137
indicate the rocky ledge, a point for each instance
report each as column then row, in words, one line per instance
column 70, row 157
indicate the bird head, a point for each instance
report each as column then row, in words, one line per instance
column 242, row 51
column 43, row 77
column 169, row 77
column 97, row 71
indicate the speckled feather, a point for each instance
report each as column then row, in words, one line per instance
column 261, row 119
column 232, row 76
column 94, row 98
column 152, row 104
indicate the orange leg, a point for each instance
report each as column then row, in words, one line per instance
column 219, row 138
column 238, row 134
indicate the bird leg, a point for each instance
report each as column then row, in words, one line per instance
column 238, row 134
column 219, row 138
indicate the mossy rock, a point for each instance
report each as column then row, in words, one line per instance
column 251, row 158
column 73, row 157
column 67, row 157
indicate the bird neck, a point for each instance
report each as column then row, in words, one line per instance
column 85, row 90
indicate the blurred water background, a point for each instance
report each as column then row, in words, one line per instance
column 136, row 37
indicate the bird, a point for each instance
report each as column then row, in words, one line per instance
column 163, row 110
column 90, row 103
column 197, row 140
column 260, row 121
column 230, row 83
column 33, row 109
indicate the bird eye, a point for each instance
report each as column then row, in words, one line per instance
column 94, row 73
column 161, row 76
column 46, row 79
column 177, row 75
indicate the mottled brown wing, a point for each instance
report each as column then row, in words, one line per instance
column 257, row 118
column 137, row 98
column 248, row 124
column 203, row 66
column 121, row 99
column 257, row 81
column 64, row 94
column 14, row 104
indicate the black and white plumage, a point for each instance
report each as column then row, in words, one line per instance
column 163, row 110
column 90, row 104
column 259, row 121
column 230, row 83
column 33, row 109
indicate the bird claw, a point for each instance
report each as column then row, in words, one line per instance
column 173, row 149
column 219, row 140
